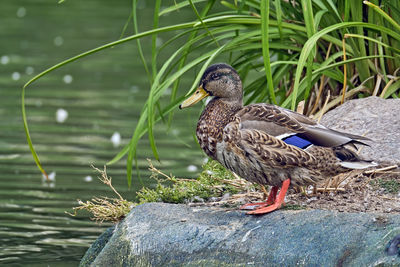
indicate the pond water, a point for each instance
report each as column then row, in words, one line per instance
column 95, row 98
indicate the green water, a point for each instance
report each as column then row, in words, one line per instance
column 102, row 94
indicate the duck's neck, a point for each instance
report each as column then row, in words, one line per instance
column 217, row 114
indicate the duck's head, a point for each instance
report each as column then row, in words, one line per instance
column 220, row 81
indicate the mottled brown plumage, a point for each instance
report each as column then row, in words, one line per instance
column 267, row 144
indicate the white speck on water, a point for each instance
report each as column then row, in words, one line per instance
column 38, row 103
column 16, row 76
column 67, row 79
column 116, row 139
column 5, row 60
column 29, row 70
column 88, row 178
column 21, row 12
column 205, row 160
column 134, row 89
column 192, row 168
column 58, row 41
column 51, row 177
column 175, row 131
column 248, row 233
column 61, row 115
column 9, row 156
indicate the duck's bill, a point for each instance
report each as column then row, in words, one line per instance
column 196, row 97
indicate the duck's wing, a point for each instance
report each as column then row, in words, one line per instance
column 292, row 127
column 260, row 148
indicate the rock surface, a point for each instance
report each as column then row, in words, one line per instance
column 159, row 234
column 375, row 117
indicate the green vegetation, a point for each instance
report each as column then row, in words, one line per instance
column 213, row 181
column 317, row 51
column 390, row 186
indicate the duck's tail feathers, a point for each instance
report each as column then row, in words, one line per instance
column 349, row 159
column 358, row 164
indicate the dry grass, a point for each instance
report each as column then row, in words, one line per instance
column 104, row 208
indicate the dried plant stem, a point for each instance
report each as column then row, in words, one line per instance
column 321, row 85
column 336, row 101
column 104, row 208
column 344, row 70
column 324, row 189
column 385, row 169
column 323, row 109
column 106, row 180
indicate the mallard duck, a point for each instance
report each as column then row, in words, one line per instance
column 267, row 144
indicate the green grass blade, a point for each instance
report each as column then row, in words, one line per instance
column 151, row 100
column 126, row 25
column 28, row 136
column 397, row 50
column 178, row 6
column 139, row 45
column 324, row 67
column 392, row 89
column 382, row 63
column 357, row 15
column 383, row 14
column 199, row 17
column 310, row 27
column 279, row 16
column 265, row 47
column 154, row 39
column 347, row 10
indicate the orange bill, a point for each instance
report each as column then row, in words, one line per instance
column 196, row 97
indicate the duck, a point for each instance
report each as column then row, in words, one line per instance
column 267, row 144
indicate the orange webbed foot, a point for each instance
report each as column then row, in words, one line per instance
column 272, row 203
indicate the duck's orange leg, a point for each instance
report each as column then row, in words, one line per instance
column 270, row 201
column 279, row 201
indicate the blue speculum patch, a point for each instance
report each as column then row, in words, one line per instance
column 294, row 140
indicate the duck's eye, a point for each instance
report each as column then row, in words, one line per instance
column 215, row 77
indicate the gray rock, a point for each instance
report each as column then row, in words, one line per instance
column 159, row 234
column 375, row 117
